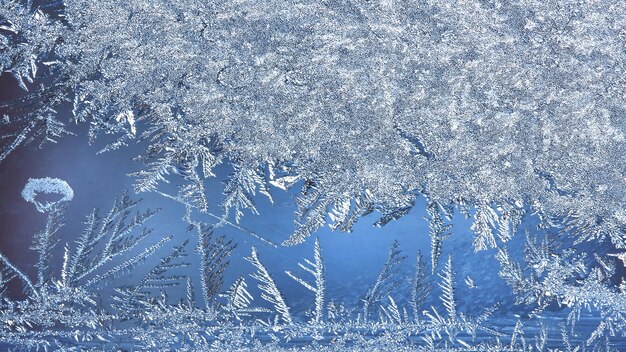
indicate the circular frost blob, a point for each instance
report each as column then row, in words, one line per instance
column 47, row 185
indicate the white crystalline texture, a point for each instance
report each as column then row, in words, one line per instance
column 487, row 107
column 129, row 118
column 46, row 185
column 484, row 102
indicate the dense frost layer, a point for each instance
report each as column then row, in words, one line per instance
column 479, row 102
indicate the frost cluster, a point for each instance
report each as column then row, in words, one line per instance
column 47, row 185
column 483, row 103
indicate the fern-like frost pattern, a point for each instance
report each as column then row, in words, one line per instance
column 501, row 123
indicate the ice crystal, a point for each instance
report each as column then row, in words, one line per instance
column 383, row 284
column 315, row 268
column 271, row 293
column 47, row 185
column 420, row 288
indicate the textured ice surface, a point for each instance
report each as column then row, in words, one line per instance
column 502, row 124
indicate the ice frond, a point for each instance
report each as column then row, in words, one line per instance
column 311, row 214
column 395, row 212
column 340, row 213
column 469, row 282
column 238, row 299
column 9, row 271
column 585, row 229
column 345, row 214
column 539, row 253
column 517, row 333
column 420, row 288
column 45, row 241
column 512, row 273
column 485, row 222
column 316, row 269
column 108, row 240
column 192, row 192
column 270, row 291
column 438, row 232
column 155, row 173
column 384, row 283
column 511, row 216
column 128, row 264
column 240, row 190
column 392, row 312
column 159, row 278
column 214, row 253
column 447, row 286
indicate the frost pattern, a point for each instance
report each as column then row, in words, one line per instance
column 495, row 111
column 485, row 104
column 71, row 309
column 315, row 268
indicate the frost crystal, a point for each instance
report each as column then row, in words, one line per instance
column 48, row 186
column 480, row 102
